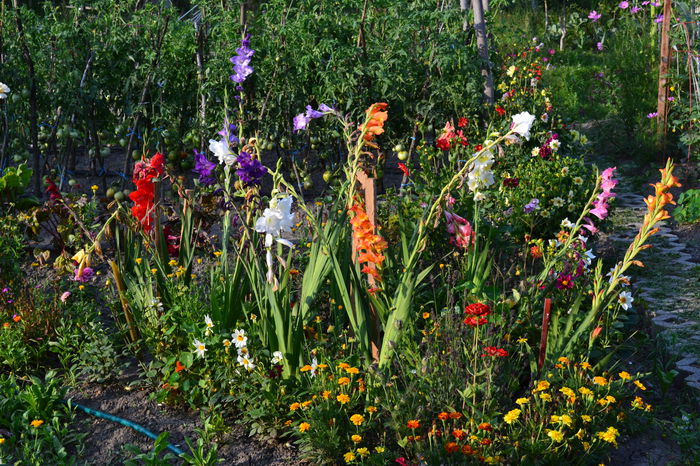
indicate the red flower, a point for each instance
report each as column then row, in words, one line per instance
column 511, row 182
column 462, row 122
column 536, row 252
column 500, row 110
column 52, row 189
column 404, row 169
column 564, row 281
column 473, row 321
column 178, row 367
column 485, row 426
column 143, row 197
column 493, row 351
column 477, row 309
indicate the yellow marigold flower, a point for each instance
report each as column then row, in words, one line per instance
column 217, row 253
column 306, row 404
column 304, row 426
column 349, row 457
column 326, row 394
column 554, row 419
column 580, row 434
column 609, row 435
column 585, row 365
column 294, row 406
column 288, row 422
column 426, row 315
column 379, row 449
column 343, row 381
column 352, row 370
column 585, row 391
column 555, row 435
column 598, row 380
column 343, row 365
column 640, row 385
column 172, row 263
column 305, row 368
column 357, row 419
column 36, row 423
column 522, row 401
column 94, row 188
column 363, row 451
column 342, row 398
column 563, row 360
column 624, row 375
column 541, row 385
column 511, row 416
column 586, row 446
column 356, row 438
column 566, row 420
column 522, row 340
column 371, row 409
column 567, row 391
column 586, row 418
column 545, row 397
column 154, row 270
column 138, row 260
column 2, row 440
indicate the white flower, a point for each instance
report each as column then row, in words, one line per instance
column 4, row 90
column 277, row 357
column 276, row 219
column 589, row 256
column 222, row 151
column 247, row 362
column 522, row 122
column 535, row 151
column 544, row 117
column 227, row 342
column 242, row 351
column 314, row 366
column 566, row 223
column 239, row 338
column 558, row 202
column 479, row 196
column 209, row 324
column 554, row 144
column 200, row 348
column 625, row 299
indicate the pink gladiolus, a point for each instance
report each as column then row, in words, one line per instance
column 460, row 230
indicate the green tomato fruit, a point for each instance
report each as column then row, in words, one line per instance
column 110, row 193
column 72, row 182
column 135, row 155
column 123, row 142
column 328, row 176
column 308, row 185
column 119, row 196
column 403, row 155
column 399, row 148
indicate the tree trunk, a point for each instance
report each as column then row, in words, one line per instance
column 483, row 46
column 464, row 6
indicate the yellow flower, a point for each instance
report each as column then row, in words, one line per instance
column 522, row 340
column 379, row 449
column 371, row 409
column 36, row 423
column 563, row 360
column 586, row 446
column 511, row 416
column 342, row 398
column 580, row 434
column 566, row 420
column 217, row 253
column 304, row 426
column 609, row 435
column 352, row 370
column 586, row 418
column 343, row 381
column 357, row 419
column 363, row 451
column 640, row 385
column 555, row 435
column 349, row 457
column 326, row 394
column 306, row 404
column 624, row 375
column 522, row 401
column 94, row 188
column 356, row 438
column 567, row 391
column 541, row 385
column 2, row 440
column 294, row 406
column 545, row 397
column 426, row 315
column 585, row 391
column 154, row 270
column 81, row 287
column 598, row 380
column 343, row 365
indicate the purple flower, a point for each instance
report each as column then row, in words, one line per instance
column 531, row 206
column 204, row 168
column 659, row 18
column 229, row 131
column 599, row 75
column 251, row 170
column 85, row 276
column 594, row 16
column 634, row 9
column 564, row 281
column 671, row 99
column 311, row 113
column 599, row 46
column 241, row 61
column 302, row 120
column 623, row 4
column 652, row 115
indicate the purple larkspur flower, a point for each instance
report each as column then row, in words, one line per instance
column 241, row 61
column 204, row 168
column 531, row 206
column 251, row 170
column 594, row 16
column 634, row 9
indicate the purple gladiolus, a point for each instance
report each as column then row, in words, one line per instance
column 594, row 16
column 301, row 121
column 241, row 61
column 531, row 206
column 229, row 131
column 251, row 170
column 204, row 168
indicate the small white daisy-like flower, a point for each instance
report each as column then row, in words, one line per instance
column 479, row 196
column 277, row 357
column 558, row 202
column 243, row 351
column 565, row 171
column 200, row 348
column 535, row 151
column 578, row 181
column 554, row 144
column 239, row 338
column 625, row 299
column 227, row 343
column 247, row 362
column 566, row 223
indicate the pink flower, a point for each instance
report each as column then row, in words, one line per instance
column 652, row 115
column 460, row 230
column 623, row 4
column 564, row 282
column 599, row 46
column 588, row 225
column 84, row 276
column 594, row 16
column 66, row 295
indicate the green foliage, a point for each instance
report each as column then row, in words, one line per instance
column 14, row 181
column 688, row 208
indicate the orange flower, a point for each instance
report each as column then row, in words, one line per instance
column 459, row 434
column 178, row 366
column 413, row 424
column 455, row 415
column 375, row 124
column 369, row 245
column 443, row 416
column 451, row 447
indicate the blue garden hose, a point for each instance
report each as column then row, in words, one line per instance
column 127, row 423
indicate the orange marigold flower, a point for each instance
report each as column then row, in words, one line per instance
column 304, row 426
column 451, row 447
column 377, row 117
column 485, row 426
column 343, row 381
column 443, row 416
column 455, row 415
column 413, row 424
column 459, row 434
column 342, row 398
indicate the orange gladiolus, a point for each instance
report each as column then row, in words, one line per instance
column 369, row 244
column 375, row 125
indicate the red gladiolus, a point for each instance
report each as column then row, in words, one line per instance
column 144, row 172
column 52, row 189
column 403, row 168
column 493, row 351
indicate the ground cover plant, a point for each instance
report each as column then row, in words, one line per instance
column 442, row 302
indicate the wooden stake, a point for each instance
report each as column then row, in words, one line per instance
column 545, row 331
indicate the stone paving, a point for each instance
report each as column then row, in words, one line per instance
column 669, row 283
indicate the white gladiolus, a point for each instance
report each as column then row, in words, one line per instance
column 522, row 122
column 222, row 151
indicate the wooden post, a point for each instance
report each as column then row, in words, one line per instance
column 664, row 60
column 545, row 332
